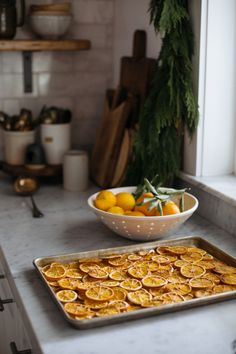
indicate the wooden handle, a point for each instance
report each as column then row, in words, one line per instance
column 139, row 44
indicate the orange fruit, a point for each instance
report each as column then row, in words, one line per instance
column 99, row 293
column 55, row 273
column 134, row 213
column 116, row 210
column 125, row 201
column 144, row 208
column 170, row 208
column 105, row 200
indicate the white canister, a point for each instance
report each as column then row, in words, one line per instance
column 75, row 171
column 56, row 140
column 15, row 144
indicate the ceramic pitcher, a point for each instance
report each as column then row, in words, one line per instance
column 10, row 19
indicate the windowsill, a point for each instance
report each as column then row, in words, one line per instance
column 223, row 187
column 217, row 198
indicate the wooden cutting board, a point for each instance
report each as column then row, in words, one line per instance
column 110, row 152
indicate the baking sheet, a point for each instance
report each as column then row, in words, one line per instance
column 145, row 312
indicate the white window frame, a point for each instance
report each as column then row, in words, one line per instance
column 212, row 151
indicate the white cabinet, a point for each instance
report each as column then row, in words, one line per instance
column 13, row 336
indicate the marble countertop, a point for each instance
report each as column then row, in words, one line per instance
column 69, row 226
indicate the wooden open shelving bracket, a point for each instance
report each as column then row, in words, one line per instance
column 29, row 46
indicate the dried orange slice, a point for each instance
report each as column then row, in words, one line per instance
column 85, row 286
column 131, row 284
column 87, row 279
column 143, row 253
column 116, row 262
column 119, row 293
column 73, row 265
column 118, row 275
column 170, row 298
column 229, row 279
column 99, row 293
column 201, row 283
column 95, row 305
column 223, row 268
column 165, row 270
column 203, row 293
column 154, row 281
column 138, row 272
column 161, row 250
column 192, row 271
column 74, row 273
column 139, row 296
column 110, row 283
column 90, row 260
column 152, row 303
column 180, row 263
column 66, row 295
column 85, row 316
column 161, row 259
column 133, row 257
column 214, row 277
column 75, row 308
column 177, row 249
column 45, row 268
column 191, row 257
column 188, row 296
column 108, row 311
column 98, row 273
column 222, row 288
column 149, row 255
column 108, row 269
column 181, row 289
column 111, row 256
column 196, row 250
column 206, row 264
column 156, row 292
column 67, row 283
column 125, row 265
column 120, row 304
column 207, row 257
column 55, row 273
column 86, row 267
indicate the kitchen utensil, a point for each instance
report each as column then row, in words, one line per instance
column 27, row 186
column 143, row 228
column 9, row 19
column 191, row 241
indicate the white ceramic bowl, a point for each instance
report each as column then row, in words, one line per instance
column 50, row 26
column 143, row 228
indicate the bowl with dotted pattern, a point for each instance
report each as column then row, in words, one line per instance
column 143, row 228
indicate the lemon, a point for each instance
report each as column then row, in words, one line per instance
column 105, row 200
column 125, row 200
column 116, row 210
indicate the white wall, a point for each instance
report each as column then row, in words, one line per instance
column 130, row 15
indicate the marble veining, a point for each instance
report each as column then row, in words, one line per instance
column 69, row 226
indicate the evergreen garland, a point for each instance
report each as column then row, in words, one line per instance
column 170, row 105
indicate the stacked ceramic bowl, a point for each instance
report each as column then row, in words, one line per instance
column 50, row 21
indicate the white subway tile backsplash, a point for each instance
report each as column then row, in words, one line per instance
column 94, row 60
column 89, row 107
column 71, row 84
column 97, row 34
column 93, row 11
column 84, row 133
column 53, row 61
column 11, row 106
column 12, row 62
column 12, row 86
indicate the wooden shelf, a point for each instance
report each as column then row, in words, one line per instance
column 15, row 171
column 46, row 45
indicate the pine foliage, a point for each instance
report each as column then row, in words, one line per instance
column 170, row 105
